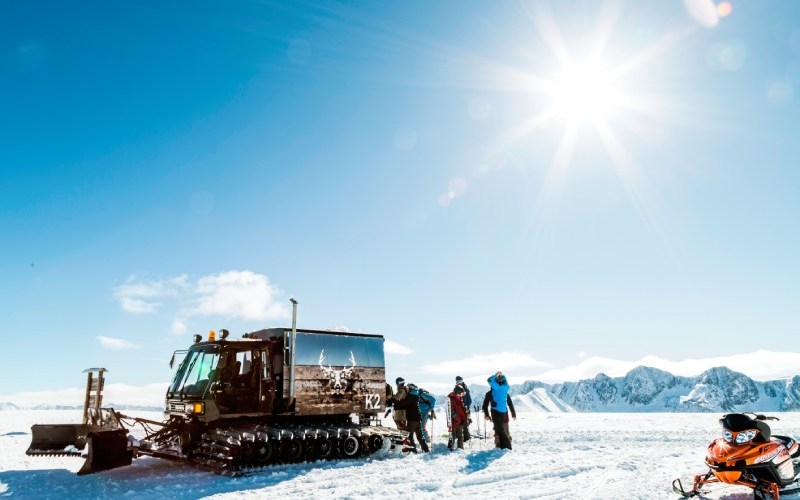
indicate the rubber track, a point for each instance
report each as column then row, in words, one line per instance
column 232, row 452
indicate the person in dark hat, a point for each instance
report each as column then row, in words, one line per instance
column 459, row 419
column 409, row 405
column 400, row 394
column 467, row 399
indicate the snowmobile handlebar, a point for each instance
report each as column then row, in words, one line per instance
column 758, row 416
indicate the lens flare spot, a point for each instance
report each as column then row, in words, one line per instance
column 729, row 57
column 779, row 92
column 724, row 9
column 405, row 139
column 704, row 12
column 457, row 186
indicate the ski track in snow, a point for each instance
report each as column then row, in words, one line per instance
column 569, row 455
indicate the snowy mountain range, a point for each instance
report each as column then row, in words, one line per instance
column 643, row 389
column 646, row 389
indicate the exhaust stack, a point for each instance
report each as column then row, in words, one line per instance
column 291, row 354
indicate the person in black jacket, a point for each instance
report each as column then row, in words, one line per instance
column 410, row 404
column 466, row 396
column 487, row 401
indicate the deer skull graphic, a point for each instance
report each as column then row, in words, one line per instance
column 338, row 378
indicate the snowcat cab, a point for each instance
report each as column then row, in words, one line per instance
column 223, row 379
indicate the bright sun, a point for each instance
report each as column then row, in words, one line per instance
column 584, row 93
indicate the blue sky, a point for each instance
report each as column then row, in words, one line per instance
column 414, row 169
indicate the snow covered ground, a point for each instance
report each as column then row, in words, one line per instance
column 564, row 455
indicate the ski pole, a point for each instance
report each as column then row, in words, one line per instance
column 484, row 428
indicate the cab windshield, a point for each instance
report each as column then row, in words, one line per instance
column 195, row 373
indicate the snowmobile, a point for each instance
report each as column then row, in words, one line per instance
column 748, row 454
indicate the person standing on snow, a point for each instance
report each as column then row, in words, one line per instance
column 399, row 395
column 499, row 403
column 426, row 404
column 459, row 419
column 467, row 398
column 410, row 407
column 487, row 400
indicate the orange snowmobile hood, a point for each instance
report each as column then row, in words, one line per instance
column 721, row 452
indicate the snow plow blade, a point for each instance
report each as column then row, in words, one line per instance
column 103, row 448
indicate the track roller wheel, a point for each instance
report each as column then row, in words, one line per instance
column 351, row 446
column 323, row 448
column 262, row 452
column 375, row 443
column 292, row 450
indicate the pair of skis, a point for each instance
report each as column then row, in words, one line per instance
column 449, row 416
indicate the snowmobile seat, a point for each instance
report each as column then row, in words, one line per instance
column 787, row 442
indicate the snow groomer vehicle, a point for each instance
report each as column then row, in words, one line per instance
column 277, row 395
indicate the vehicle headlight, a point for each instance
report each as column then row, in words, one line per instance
column 727, row 435
column 745, row 436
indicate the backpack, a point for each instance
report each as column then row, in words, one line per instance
column 427, row 398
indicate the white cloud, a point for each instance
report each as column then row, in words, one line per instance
column 237, row 294
column 178, row 327
column 138, row 306
column 435, row 387
column 113, row 343
column 485, row 364
column 231, row 294
column 392, row 347
column 140, row 297
column 759, row 365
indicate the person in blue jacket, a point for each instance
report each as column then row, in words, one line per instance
column 500, row 387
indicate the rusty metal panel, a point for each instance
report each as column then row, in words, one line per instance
column 325, row 390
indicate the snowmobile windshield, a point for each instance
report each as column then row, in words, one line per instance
column 195, row 373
